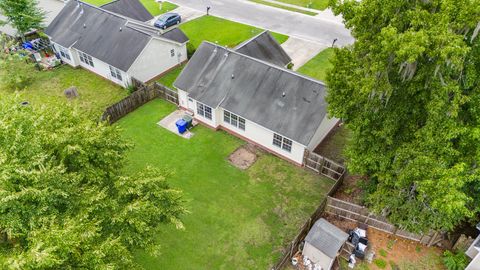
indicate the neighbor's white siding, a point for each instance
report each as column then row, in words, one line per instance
column 103, row 69
column 473, row 251
column 474, row 264
column 156, row 58
column 316, row 256
column 74, row 61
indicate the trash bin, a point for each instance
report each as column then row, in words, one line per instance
column 181, row 126
column 188, row 119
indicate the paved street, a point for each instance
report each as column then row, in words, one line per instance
column 322, row 29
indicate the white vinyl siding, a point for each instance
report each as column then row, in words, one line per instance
column 116, row 73
column 204, row 110
column 85, row 58
column 282, row 142
column 234, row 120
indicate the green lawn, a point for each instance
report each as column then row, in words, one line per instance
column 224, row 32
column 152, row 6
column 171, row 76
column 239, row 219
column 95, row 93
column 318, row 66
column 314, row 4
column 284, row 7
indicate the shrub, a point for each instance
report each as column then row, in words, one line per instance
column 380, row 263
column 131, row 88
column 383, row 252
column 455, row 260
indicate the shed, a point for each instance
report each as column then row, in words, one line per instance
column 323, row 243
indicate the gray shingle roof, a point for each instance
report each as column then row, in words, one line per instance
column 256, row 91
column 266, row 48
column 326, row 237
column 129, row 8
column 107, row 36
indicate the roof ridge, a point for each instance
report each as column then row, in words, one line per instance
column 269, row 64
column 249, row 40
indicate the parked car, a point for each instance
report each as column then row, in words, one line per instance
column 167, row 20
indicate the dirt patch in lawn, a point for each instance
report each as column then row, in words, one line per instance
column 391, row 251
column 244, row 157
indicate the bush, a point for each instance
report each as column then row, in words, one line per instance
column 380, row 263
column 383, row 252
column 131, row 88
column 290, row 65
column 190, row 50
column 455, row 260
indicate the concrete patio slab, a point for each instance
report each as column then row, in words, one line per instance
column 169, row 123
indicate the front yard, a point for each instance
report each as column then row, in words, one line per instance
column 239, row 219
column 95, row 93
column 151, row 5
column 318, row 66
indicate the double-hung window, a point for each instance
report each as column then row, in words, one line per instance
column 116, row 73
column 204, row 110
column 234, row 120
column 282, row 142
column 85, row 58
column 64, row 52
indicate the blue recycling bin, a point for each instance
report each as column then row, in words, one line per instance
column 181, row 126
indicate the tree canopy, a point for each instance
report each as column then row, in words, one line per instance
column 409, row 90
column 64, row 200
column 23, row 15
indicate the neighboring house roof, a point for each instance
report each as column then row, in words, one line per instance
column 326, row 237
column 274, row 97
column 129, row 8
column 265, row 47
column 112, row 38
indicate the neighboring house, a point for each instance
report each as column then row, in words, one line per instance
column 113, row 46
column 474, row 253
column 51, row 8
column 129, row 8
column 273, row 107
column 323, row 243
column 265, row 47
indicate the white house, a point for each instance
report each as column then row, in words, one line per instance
column 113, row 46
column 266, row 104
column 474, row 253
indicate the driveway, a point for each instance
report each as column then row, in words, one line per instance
column 322, row 29
column 186, row 13
column 301, row 50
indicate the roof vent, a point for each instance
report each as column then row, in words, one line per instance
column 233, row 76
column 283, row 94
column 121, row 29
column 84, row 26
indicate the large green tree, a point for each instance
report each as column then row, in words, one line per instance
column 64, row 202
column 409, row 89
column 23, row 15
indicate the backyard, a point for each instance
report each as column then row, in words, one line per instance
column 95, row 93
column 239, row 219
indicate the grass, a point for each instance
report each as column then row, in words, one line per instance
column 318, row 66
column 284, row 7
column 95, row 93
column 313, row 4
column 380, row 263
column 223, row 32
column 239, row 219
column 152, row 6
column 334, row 144
column 171, row 76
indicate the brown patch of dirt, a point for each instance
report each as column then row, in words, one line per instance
column 244, row 157
column 392, row 249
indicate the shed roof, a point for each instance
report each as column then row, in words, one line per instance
column 129, row 8
column 274, row 97
column 112, row 38
column 266, row 48
column 326, row 237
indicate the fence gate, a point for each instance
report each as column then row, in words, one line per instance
column 323, row 166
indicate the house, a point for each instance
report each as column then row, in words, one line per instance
column 113, row 46
column 132, row 9
column 323, row 243
column 265, row 47
column 51, row 9
column 474, row 253
column 275, row 108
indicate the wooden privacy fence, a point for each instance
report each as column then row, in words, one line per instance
column 323, row 166
column 138, row 98
column 361, row 214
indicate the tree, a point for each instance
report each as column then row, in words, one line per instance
column 23, row 15
column 409, row 89
column 64, row 201
column 16, row 69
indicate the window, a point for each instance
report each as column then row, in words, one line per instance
column 204, row 110
column 116, row 73
column 234, row 120
column 282, row 142
column 64, row 52
column 172, row 52
column 85, row 58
